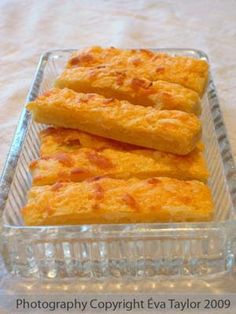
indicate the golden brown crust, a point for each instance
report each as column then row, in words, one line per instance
column 189, row 72
column 70, row 155
column 125, row 85
column 119, row 201
column 55, row 140
column 170, row 131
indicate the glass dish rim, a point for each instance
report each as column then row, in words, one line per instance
column 21, row 130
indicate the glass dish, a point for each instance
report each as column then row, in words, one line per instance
column 173, row 250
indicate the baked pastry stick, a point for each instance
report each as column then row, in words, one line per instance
column 125, row 85
column 70, row 155
column 189, row 72
column 106, row 200
column 165, row 130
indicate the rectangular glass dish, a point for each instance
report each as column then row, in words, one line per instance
column 158, row 250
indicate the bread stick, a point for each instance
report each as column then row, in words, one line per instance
column 70, row 155
column 105, row 200
column 125, row 85
column 165, row 130
column 189, row 72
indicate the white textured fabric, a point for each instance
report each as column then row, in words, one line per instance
column 28, row 28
